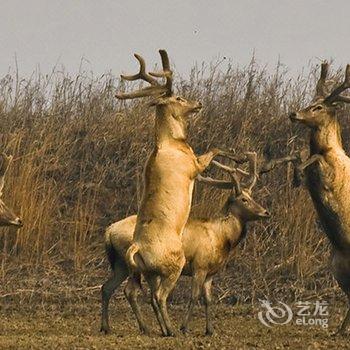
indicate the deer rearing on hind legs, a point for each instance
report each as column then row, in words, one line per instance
column 327, row 173
column 207, row 243
column 169, row 176
column 7, row 216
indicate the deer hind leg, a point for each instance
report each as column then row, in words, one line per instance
column 120, row 273
column 166, row 286
column 131, row 291
column 154, row 284
column 209, row 330
column 196, row 288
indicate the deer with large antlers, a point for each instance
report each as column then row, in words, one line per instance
column 327, row 173
column 169, row 176
column 7, row 216
column 207, row 244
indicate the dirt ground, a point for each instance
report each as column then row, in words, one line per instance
column 77, row 327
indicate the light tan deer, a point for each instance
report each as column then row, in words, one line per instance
column 169, row 176
column 327, row 173
column 7, row 216
column 208, row 244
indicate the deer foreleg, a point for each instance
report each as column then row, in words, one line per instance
column 299, row 169
column 205, row 159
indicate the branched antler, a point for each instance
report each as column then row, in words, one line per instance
column 251, row 157
column 156, row 88
column 235, row 183
column 335, row 96
column 254, row 172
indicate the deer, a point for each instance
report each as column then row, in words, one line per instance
column 168, row 180
column 327, row 174
column 208, row 243
column 7, row 216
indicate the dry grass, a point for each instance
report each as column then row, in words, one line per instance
column 78, row 158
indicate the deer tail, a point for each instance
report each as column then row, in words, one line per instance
column 133, row 249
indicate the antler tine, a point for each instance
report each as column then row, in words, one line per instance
column 222, row 184
column 156, row 88
column 223, row 167
column 166, row 73
column 141, row 74
column 253, row 160
column 320, row 86
column 233, row 175
column 153, row 90
column 334, row 96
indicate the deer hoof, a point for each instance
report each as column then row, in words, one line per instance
column 184, row 330
column 209, row 332
column 105, row 330
column 145, row 331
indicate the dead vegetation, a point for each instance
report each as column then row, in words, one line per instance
column 78, row 156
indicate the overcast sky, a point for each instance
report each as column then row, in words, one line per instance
column 107, row 32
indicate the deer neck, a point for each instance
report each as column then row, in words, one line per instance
column 326, row 138
column 233, row 227
column 169, row 127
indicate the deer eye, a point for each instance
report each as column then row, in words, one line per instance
column 317, row 108
column 244, row 200
column 179, row 98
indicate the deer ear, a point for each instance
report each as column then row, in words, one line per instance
column 337, row 105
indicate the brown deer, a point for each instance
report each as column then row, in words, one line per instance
column 207, row 244
column 169, row 176
column 7, row 216
column 327, row 173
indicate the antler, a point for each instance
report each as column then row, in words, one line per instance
column 233, row 174
column 156, row 88
column 167, row 72
column 335, row 96
column 321, row 84
column 253, row 170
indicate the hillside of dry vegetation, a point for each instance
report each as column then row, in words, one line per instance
column 78, row 158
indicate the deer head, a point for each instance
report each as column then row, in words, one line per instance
column 7, row 217
column 172, row 110
column 321, row 111
column 240, row 201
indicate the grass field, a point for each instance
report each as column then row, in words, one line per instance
column 236, row 327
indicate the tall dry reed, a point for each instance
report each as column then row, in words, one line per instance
column 78, row 158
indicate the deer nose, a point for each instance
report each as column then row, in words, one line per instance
column 19, row 222
column 267, row 214
column 292, row 115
